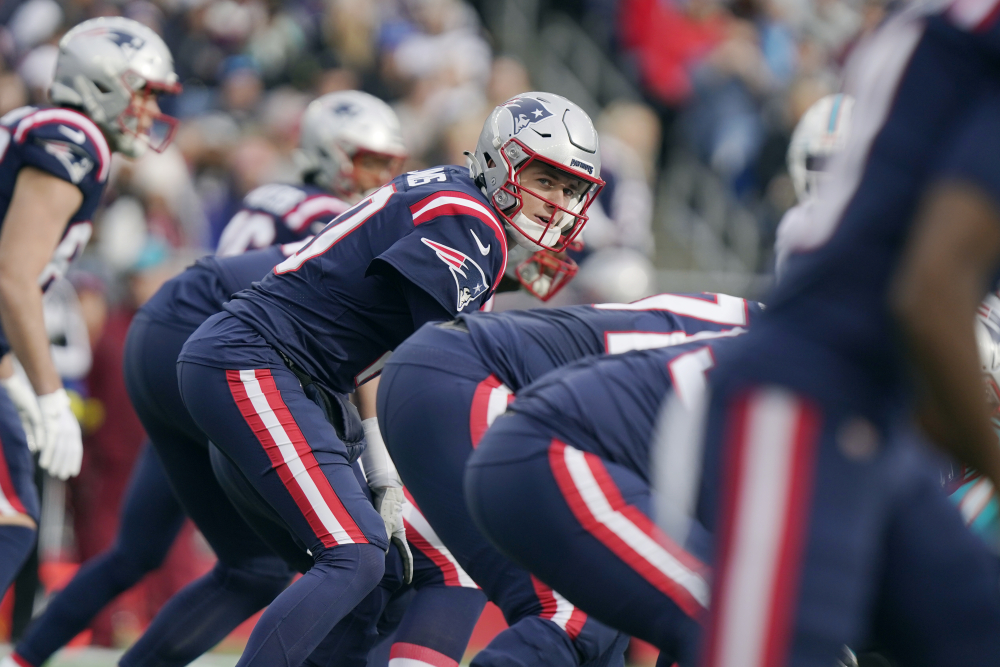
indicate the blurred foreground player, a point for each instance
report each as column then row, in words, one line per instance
column 54, row 164
column 560, row 483
column 424, row 248
column 813, row 477
column 350, row 144
column 151, row 515
column 444, row 386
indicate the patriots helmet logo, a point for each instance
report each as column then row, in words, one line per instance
column 126, row 40
column 470, row 280
column 526, row 111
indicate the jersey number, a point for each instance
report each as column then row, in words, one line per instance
column 728, row 310
column 688, row 375
column 350, row 221
column 426, row 176
column 246, row 230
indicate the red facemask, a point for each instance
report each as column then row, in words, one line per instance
column 543, row 235
column 545, row 273
column 158, row 129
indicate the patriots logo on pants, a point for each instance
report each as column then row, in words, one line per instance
column 526, row 112
column 469, row 286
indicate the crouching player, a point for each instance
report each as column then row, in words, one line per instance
column 560, row 484
column 424, row 248
column 350, row 144
column 444, row 386
column 54, row 165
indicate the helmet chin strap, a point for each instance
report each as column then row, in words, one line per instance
column 550, row 236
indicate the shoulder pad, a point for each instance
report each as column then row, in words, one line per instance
column 275, row 198
column 319, row 207
column 68, row 135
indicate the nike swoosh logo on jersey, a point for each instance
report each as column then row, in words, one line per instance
column 484, row 249
column 76, row 135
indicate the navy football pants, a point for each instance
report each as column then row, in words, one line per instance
column 18, row 494
column 296, row 472
column 430, row 418
column 248, row 574
column 831, row 523
column 150, row 519
column 580, row 523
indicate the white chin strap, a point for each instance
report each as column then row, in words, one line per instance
column 130, row 145
column 549, row 238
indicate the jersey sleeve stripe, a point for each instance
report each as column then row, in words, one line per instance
column 457, row 203
column 77, row 120
column 312, row 208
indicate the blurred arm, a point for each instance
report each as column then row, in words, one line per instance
column 41, row 206
column 952, row 253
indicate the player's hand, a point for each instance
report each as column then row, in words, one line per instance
column 389, row 504
column 61, row 444
column 23, row 397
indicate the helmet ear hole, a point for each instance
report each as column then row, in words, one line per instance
column 101, row 87
column 489, row 161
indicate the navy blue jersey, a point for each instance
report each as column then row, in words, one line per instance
column 608, row 405
column 278, row 213
column 521, row 346
column 68, row 145
column 425, row 247
column 930, row 111
column 190, row 298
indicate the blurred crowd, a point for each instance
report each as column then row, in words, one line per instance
column 723, row 80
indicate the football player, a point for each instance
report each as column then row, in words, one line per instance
column 54, row 164
column 426, row 247
column 350, row 144
column 560, row 484
column 444, row 386
column 344, row 123
column 819, row 137
column 813, row 479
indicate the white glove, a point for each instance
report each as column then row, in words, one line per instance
column 23, row 397
column 389, row 504
column 61, row 445
column 387, row 490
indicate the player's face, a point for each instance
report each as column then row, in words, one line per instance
column 544, row 188
column 144, row 119
column 373, row 170
column 147, row 109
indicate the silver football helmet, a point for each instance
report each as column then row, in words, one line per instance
column 109, row 67
column 340, row 127
column 820, row 134
column 988, row 341
column 538, row 127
